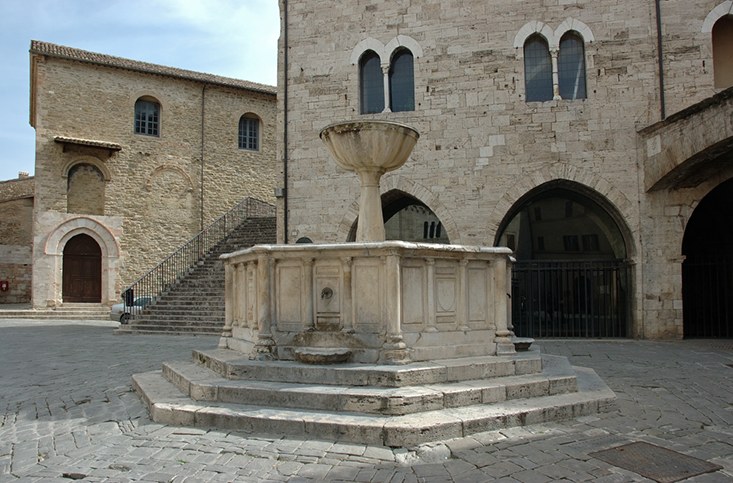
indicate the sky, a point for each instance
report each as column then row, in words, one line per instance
column 232, row 38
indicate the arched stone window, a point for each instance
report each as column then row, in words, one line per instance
column 402, row 82
column 85, row 190
column 571, row 67
column 537, row 69
column 723, row 52
column 147, row 117
column 371, row 83
column 249, row 132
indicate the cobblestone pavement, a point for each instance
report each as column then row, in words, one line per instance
column 67, row 412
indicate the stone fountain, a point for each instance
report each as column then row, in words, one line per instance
column 384, row 342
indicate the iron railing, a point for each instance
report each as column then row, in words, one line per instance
column 707, row 296
column 179, row 264
column 563, row 298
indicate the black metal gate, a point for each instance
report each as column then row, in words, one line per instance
column 707, row 296
column 562, row 298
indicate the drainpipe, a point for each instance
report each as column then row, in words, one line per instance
column 661, row 60
column 203, row 104
column 285, row 121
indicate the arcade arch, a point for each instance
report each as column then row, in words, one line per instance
column 572, row 277
column 707, row 272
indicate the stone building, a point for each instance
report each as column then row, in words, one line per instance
column 133, row 160
column 16, row 226
column 593, row 137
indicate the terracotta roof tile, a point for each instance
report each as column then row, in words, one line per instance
column 62, row 52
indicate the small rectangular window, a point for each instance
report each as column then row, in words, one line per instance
column 511, row 242
column 590, row 243
column 146, row 117
column 571, row 243
column 540, row 244
column 537, row 213
column 249, row 133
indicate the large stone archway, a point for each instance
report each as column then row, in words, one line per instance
column 48, row 266
column 707, row 271
column 586, row 182
column 573, row 276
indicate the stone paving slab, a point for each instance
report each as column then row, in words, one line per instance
column 67, row 407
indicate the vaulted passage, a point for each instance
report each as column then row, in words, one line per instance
column 82, row 279
column 707, row 272
column 571, row 278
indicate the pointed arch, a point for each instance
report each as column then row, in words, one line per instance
column 529, row 29
column 725, row 8
column 588, row 183
column 413, row 189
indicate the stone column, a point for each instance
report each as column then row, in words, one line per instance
column 463, row 295
column 555, row 76
column 385, row 74
column 348, row 324
column 309, row 320
column 394, row 351
column 430, row 266
column 370, row 227
column 229, row 296
column 265, row 342
column 503, row 339
column 240, row 295
column 509, row 324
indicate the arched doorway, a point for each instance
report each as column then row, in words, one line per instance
column 707, row 272
column 407, row 218
column 571, row 278
column 82, row 270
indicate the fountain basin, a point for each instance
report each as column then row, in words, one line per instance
column 369, row 145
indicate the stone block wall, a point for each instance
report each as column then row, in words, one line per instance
column 483, row 147
column 159, row 190
column 16, row 226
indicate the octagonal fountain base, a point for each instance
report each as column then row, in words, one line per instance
column 390, row 405
column 388, row 343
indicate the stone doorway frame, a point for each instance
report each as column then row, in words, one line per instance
column 53, row 256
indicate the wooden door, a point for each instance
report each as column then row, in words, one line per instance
column 82, row 270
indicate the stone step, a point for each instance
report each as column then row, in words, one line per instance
column 168, row 405
column 171, row 321
column 235, row 365
column 175, row 329
column 203, row 384
column 63, row 312
column 193, row 315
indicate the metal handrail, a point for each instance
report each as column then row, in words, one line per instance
column 181, row 262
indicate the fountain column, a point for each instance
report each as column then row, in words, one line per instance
column 265, row 342
column 504, row 345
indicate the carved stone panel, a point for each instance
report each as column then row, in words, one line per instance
column 367, row 288
column 289, row 297
column 413, row 297
column 477, row 296
column 446, row 295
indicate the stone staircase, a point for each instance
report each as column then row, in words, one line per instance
column 391, row 405
column 66, row 311
column 195, row 305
